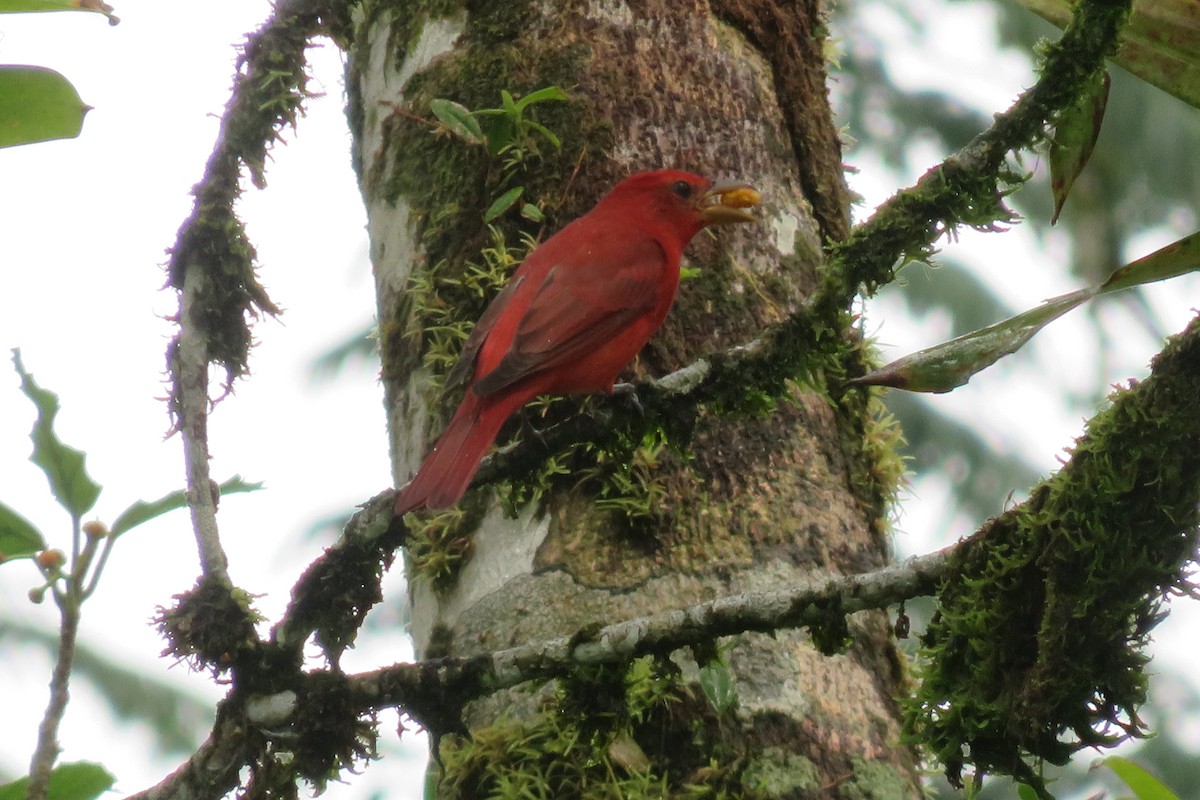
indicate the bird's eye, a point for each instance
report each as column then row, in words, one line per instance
column 683, row 189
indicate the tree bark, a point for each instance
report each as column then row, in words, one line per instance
column 725, row 501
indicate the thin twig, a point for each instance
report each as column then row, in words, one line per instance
column 190, row 366
column 47, row 749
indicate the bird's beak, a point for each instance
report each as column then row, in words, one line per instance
column 723, row 203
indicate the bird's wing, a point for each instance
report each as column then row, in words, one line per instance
column 578, row 308
column 465, row 366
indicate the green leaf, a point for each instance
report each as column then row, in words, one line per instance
column 1175, row 259
column 1075, row 137
column 544, row 131
column 541, row 96
column 78, row 780
column 503, row 203
column 1026, row 792
column 143, row 511
column 498, row 130
column 18, row 536
column 510, row 107
column 532, row 213
column 458, row 119
column 19, row 6
column 63, row 465
column 1158, row 43
column 1144, row 785
column 717, row 684
column 37, row 105
column 951, row 364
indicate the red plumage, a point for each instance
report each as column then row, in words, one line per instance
column 573, row 315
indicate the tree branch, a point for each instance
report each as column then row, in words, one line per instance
column 968, row 187
column 212, row 261
column 816, row 601
column 433, row 692
column 47, row 749
column 1038, row 646
column 212, row 771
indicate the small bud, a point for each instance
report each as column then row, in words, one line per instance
column 51, row 559
column 37, row 595
column 95, row 529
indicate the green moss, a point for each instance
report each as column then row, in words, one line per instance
column 442, row 303
column 1037, row 649
column 875, row 780
column 633, row 732
column 211, row 625
column 439, row 543
column 873, row 438
column 907, row 226
column 778, row 773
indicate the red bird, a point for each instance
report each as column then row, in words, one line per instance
column 573, row 315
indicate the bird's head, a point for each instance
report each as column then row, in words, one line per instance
column 685, row 202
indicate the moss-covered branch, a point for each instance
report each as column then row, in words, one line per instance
column 969, row 187
column 212, row 262
column 268, row 91
column 1037, row 649
column 324, row 708
column 432, row 687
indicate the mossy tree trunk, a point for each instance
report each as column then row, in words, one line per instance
column 717, row 502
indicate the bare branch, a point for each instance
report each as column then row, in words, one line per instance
column 813, row 602
column 212, row 771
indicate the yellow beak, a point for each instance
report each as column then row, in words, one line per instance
column 723, row 204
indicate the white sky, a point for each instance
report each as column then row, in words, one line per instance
column 83, row 227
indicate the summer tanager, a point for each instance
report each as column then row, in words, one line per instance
column 576, row 311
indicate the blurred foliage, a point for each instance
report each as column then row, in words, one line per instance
column 981, row 477
column 177, row 718
column 1130, row 185
column 1142, row 175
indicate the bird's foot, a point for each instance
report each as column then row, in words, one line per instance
column 530, row 433
column 626, row 394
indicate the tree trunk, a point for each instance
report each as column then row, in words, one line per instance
column 722, row 502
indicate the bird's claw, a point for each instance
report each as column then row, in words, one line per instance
column 529, row 432
column 627, row 395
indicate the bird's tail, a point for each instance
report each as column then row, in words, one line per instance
column 447, row 471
